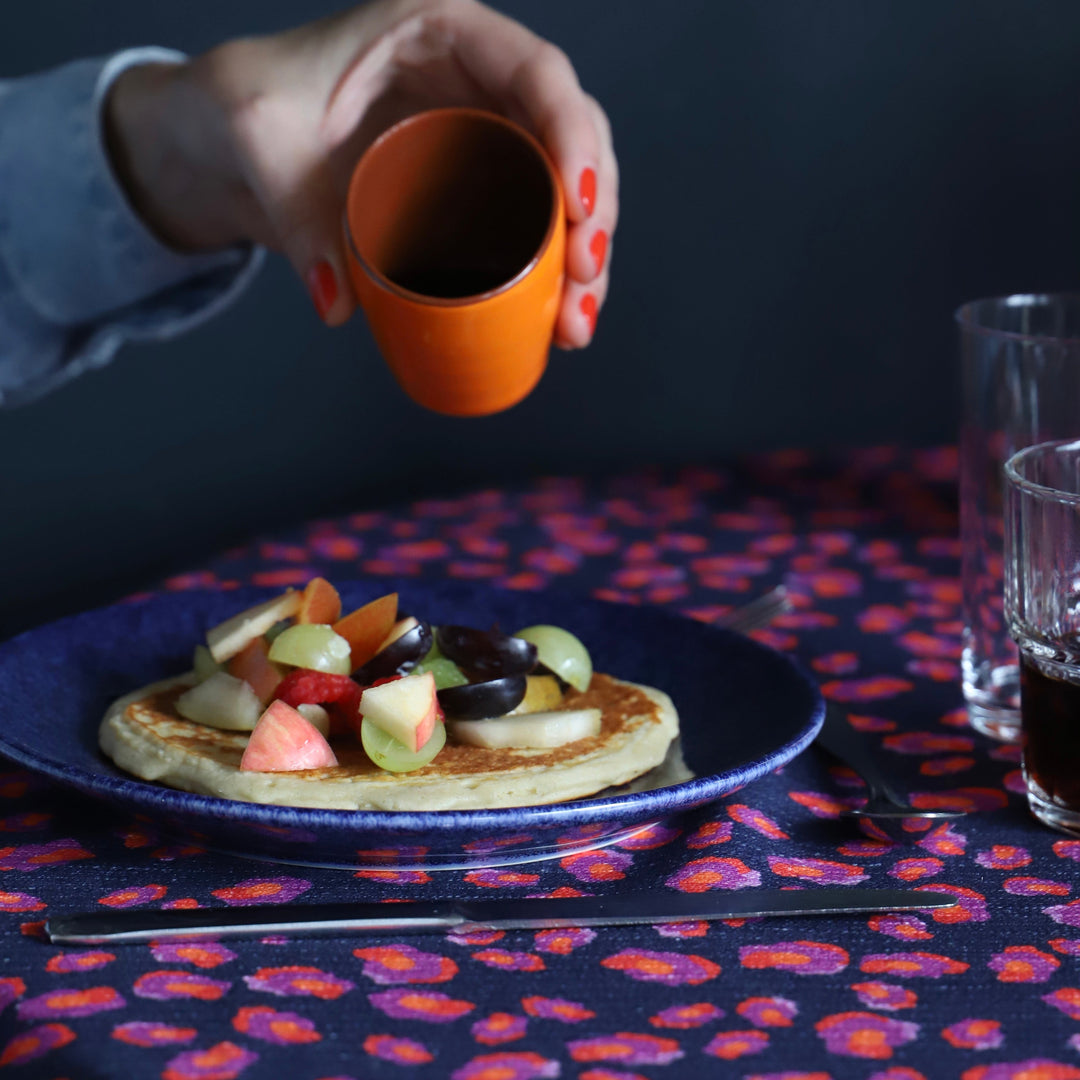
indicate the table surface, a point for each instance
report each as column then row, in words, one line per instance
column 985, row 990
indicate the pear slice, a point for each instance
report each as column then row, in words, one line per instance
column 538, row 730
column 228, row 638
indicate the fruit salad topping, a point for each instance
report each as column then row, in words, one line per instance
column 296, row 673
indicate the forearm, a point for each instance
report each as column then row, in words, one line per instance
column 170, row 146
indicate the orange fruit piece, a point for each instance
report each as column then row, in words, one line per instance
column 319, row 603
column 366, row 628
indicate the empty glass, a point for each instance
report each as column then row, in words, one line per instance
column 1020, row 359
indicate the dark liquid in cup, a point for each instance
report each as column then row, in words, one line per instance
column 1050, row 712
column 452, row 284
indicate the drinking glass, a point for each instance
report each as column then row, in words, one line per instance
column 1020, row 363
column 1042, row 606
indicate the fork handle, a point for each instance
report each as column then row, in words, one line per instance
column 844, row 742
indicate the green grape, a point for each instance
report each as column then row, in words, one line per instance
column 562, row 653
column 392, row 754
column 312, row 645
column 446, row 672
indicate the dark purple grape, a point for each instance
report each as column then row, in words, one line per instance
column 485, row 654
column 483, row 700
column 399, row 657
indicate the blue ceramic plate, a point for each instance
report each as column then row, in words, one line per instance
column 744, row 710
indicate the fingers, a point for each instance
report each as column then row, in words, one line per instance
column 538, row 86
column 588, row 243
column 535, row 83
column 580, row 308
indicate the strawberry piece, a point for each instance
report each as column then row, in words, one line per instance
column 283, row 741
column 302, row 686
column 337, row 693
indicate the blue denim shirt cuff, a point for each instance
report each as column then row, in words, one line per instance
column 72, row 244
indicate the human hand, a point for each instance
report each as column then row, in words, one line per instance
column 256, row 140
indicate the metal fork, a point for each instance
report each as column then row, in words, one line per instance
column 757, row 613
column 837, row 735
column 882, row 801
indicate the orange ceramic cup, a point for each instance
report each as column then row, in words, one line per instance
column 456, row 237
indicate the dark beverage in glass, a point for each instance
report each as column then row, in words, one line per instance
column 1042, row 605
column 1050, row 716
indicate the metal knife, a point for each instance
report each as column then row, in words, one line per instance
column 463, row 916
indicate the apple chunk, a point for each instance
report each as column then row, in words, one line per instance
column 283, row 741
column 228, row 638
column 221, row 701
column 253, row 665
column 406, row 709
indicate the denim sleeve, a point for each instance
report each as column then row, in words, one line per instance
column 79, row 272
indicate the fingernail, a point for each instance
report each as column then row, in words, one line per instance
column 587, row 190
column 588, row 309
column 598, row 248
column 322, row 284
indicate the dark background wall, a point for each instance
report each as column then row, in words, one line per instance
column 809, row 190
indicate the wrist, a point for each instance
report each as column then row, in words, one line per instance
column 167, row 139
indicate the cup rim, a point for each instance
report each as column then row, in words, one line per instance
column 1068, row 498
column 965, row 321
column 384, row 282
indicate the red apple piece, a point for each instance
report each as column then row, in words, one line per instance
column 228, row 638
column 283, row 741
column 251, row 665
column 406, row 708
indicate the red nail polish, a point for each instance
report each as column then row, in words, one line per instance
column 587, row 190
column 588, row 309
column 322, row 284
column 598, row 248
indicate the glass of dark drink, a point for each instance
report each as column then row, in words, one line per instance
column 1020, row 365
column 1042, row 606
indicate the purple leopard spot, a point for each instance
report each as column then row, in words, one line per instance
column 223, row 1061
column 1066, row 914
column 276, row 890
column 714, row 872
column 414, row 1004
column 627, row 1048
column 864, row 1035
column 70, row 1003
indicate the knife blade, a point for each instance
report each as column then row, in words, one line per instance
column 463, row 916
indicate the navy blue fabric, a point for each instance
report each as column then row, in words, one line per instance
column 986, row 990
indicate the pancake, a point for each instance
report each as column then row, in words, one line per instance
column 144, row 735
